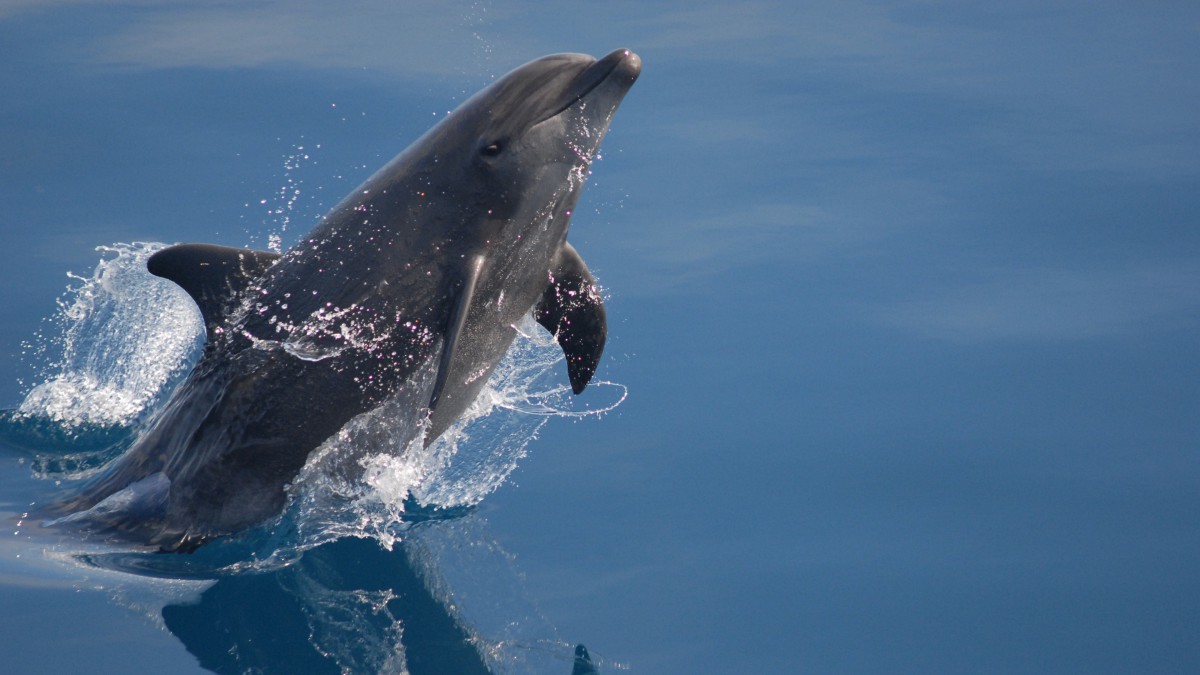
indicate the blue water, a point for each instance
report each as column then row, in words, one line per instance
column 903, row 297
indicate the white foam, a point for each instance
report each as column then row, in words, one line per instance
column 123, row 334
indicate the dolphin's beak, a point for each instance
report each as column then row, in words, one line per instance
column 622, row 65
column 619, row 69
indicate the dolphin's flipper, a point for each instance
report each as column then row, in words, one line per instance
column 458, row 320
column 213, row 275
column 572, row 310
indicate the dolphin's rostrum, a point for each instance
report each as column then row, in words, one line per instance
column 424, row 268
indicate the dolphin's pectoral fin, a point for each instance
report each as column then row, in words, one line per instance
column 572, row 310
column 458, row 320
column 213, row 275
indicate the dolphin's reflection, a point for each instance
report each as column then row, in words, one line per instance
column 351, row 606
column 347, row 606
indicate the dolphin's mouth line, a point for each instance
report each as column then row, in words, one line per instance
column 592, row 77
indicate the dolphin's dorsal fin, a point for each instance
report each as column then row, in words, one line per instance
column 572, row 310
column 213, row 275
column 458, row 321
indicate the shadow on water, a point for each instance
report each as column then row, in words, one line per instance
column 445, row 599
column 346, row 606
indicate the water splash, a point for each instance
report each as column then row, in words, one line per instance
column 480, row 450
column 366, row 480
column 122, row 336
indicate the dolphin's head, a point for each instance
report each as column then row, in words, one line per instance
column 556, row 108
column 520, row 149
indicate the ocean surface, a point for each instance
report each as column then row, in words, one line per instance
column 903, row 371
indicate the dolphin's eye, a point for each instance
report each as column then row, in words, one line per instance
column 491, row 150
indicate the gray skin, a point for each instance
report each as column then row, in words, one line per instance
column 410, row 288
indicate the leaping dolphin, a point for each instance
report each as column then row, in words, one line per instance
column 429, row 264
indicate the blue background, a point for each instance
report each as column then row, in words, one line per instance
column 906, row 296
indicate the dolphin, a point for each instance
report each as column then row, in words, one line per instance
column 408, row 289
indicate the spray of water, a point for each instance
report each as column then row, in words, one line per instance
column 365, row 480
column 123, row 335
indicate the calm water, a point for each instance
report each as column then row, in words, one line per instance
column 904, row 297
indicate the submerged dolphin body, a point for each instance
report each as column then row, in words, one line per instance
column 418, row 276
